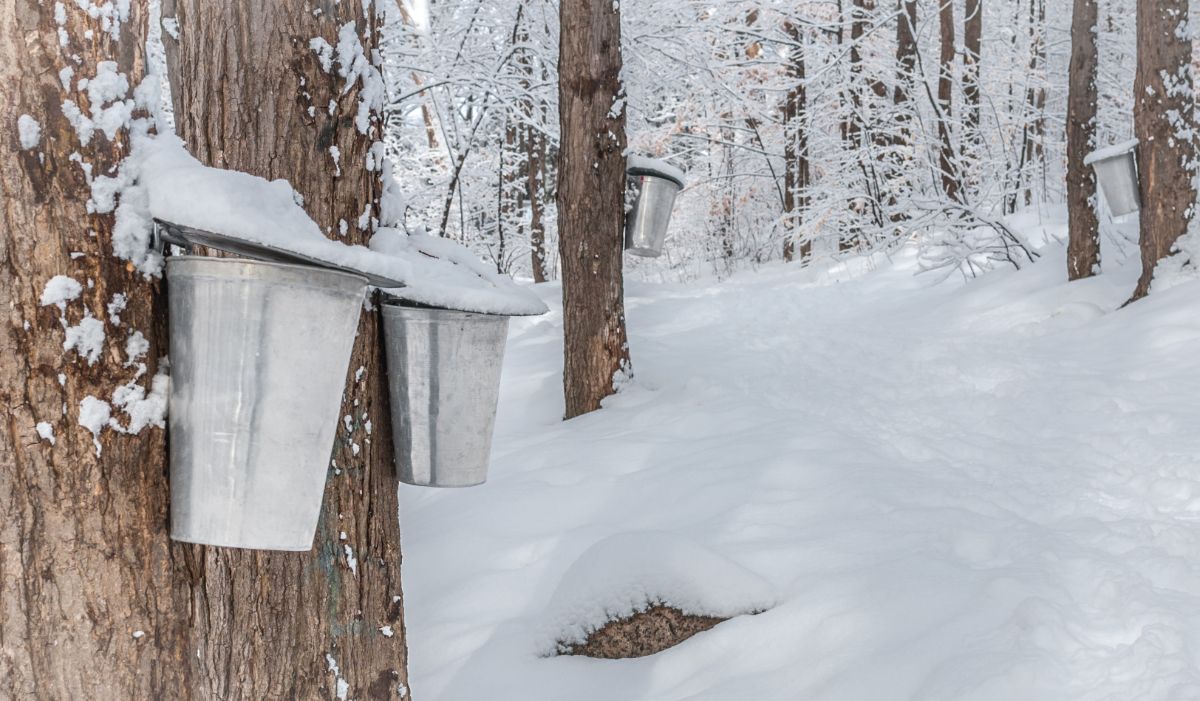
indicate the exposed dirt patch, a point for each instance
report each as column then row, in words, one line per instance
column 644, row 633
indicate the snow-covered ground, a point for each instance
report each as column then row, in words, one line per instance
column 979, row 490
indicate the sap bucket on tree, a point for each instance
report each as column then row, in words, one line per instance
column 259, row 357
column 657, row 182
column 444, row 383
column 1116, row 171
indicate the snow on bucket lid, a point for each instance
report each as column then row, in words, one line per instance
column 250, row 216
column 187, row 237
column 655, row 167
column 1108, row 152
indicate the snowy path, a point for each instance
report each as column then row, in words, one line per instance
column 989, row 492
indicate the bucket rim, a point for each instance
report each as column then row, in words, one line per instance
column 1123, row 149
column 642, row 171
column 296, row 267
column 400, row 307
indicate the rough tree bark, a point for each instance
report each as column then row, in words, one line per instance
column 945, row 99
column 591, row 186
column 795, row 146
column 250, row 94
column 1162, row 117
column 1083, row 242
column 91, row 605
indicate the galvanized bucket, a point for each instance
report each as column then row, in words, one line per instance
column 1116, row 171
column 646, row 224
column 259, row 356
column 444, row 381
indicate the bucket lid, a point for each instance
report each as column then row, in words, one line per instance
column 1108, row 152
column 188, row 236
column 655, row 168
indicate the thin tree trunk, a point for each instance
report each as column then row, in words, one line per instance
column 591, row 187
column 510, row 220
column 795, row 145
column 1035, row 100
column 848, row 95
column 1083, row 244
column 723, row 206
column 1163, row 122
column 92, row 605
column 946, row 100
column 328, row 622
column 533, row 146
column 426, row 111
column 896, row 166
column 906, row 57
column 535, row 158
column 972, row 50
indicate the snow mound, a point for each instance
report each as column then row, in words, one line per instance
column 183, row 191
column 629, row 572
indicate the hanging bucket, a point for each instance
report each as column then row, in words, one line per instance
column 646, row 224
column 1116, row 171
column 444, row 381
column 259, row 357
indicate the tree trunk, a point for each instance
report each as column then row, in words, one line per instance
column 510, row 219
column 972, row 50
column 535, row 159
column 328, row 622
column 91, row 602
column 1035, row 100
column 1083, row 245
column 533, row 144
column 906, row 57
column 795, row 147
column 591, row 187
column 1163, row 122
column 946, row 100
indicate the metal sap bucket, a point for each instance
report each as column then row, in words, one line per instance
column 444, row 381
column 646, row 224
column 1116, row 171
column 259, row 357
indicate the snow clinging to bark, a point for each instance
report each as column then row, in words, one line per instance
column 29, row 132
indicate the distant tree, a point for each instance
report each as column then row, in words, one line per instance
column 1164, row 108
column 533, row 140
column 1083, row 245
column 945, row 100
column 906, row 55
column 1033, row 133
column 591, row 190
column 972, row 51
column 795, row 146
